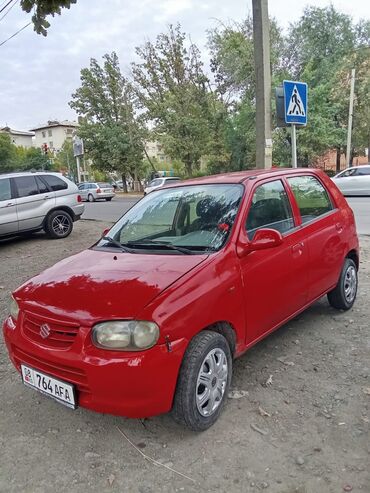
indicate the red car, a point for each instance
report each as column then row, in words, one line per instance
column 149, row 318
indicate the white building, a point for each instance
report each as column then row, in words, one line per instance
column 54, row 133
column 19, row 137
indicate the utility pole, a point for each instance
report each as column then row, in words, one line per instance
column 261, row 39
column 350, row 118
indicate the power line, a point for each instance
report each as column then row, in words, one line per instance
column 3, row 8
column 7, row 12
column 15, row 34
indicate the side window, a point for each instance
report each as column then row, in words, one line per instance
column 5, row 190
column 363, row 171
column 54, row 182
column 349, row 172
column 312, row 198
column 42, row 186
column 26, row 186
column 270, row 208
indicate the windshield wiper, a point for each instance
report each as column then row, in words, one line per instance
column 164, row 244
column 116, row 243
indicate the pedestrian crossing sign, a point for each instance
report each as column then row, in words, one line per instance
column 295, row 100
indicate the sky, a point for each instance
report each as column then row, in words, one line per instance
column 38, row 74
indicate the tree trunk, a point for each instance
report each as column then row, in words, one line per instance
column 124, row 183
column 337, row 164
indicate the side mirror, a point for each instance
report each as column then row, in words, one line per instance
column 264, row 238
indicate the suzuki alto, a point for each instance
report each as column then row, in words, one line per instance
column 149, row 319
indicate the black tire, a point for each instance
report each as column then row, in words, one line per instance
column 90, row 198
column 108, row 199
column 185, row 408
column 343, row 295
column 58, row 224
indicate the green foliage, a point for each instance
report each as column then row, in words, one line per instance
column 113, row 136
column 8, row 157
column 13, row 158
column 174, row 94
column 43, row 8
column 65, row 160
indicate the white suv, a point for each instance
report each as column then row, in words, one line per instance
column 31, row 202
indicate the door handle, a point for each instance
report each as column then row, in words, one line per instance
column 9, row 204
column 46, row 197
column 339, row 227
column 297, row 249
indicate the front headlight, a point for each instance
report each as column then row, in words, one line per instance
column 132, row 335
column 13, row 309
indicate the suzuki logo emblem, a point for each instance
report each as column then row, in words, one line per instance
column 44, row 331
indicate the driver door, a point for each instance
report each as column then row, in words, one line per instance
column 274, row 279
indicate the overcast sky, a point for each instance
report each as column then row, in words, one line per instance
column 38, row 74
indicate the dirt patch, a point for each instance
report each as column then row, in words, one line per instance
column 298, row 423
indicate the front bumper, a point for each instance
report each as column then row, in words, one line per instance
column 135, row 385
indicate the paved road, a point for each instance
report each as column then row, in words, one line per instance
column 108, row 211
column 111, row 211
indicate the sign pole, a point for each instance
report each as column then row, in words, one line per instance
column 350, row 117
column 78, row 169
column 294, row 146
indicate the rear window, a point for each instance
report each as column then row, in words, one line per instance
column 5, row 191
column 54, row 182
column 312, row 198
column 104, row 185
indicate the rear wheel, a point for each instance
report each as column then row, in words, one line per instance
column 344, row 294
column 59, row 224
column 204, row 381
column 90, row 198
column 108, row 199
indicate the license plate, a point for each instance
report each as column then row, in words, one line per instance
column 57, row 389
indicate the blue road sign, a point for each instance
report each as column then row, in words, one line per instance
column 295, row 100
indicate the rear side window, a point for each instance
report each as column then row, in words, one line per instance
column 312, row 198
column 5, row 190
column 270, row 208
column 26, row 186
column 55, row 183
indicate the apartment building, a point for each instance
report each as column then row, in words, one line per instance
column 54, row 133
column 19, row 137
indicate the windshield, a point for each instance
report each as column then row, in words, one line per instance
column 198, row 218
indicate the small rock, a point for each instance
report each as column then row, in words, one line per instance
column 317, row 449
column 141, row 445
column 347, row 487
column 299, row 460
column 259, row 430
column 111, row 479
column 91, row 455
column 237, row 394
column 263, row 485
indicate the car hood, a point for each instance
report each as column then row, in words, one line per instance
column 99, row 284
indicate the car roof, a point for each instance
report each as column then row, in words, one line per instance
column 242, row 176
column 357, row 166
column 29, row 173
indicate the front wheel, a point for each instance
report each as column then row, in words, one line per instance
column 344, row 294
column 204, row 381
column 59, row 224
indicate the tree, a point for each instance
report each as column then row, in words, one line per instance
column 174, row 94
column 32, row 159
column 8, row 157
column 113, row 136
column 65, row 160
column 43, row 8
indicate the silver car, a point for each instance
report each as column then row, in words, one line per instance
column 354, row 180
column 95, row 191
column 31, row 202
column 160, row 182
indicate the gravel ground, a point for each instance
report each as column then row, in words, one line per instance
column 297, row 419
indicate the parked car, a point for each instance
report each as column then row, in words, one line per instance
column 160, row 182
column 150, row 317
column 354, row 180
column 30, row 202
column 96, row 191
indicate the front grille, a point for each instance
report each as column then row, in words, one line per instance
column 61, row 371
column 61, row 334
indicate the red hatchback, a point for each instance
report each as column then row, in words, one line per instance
column 150, row 318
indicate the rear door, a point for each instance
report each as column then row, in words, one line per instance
column 8, row 208
column 33, row 203
column 323, row 227
column 83, row 191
